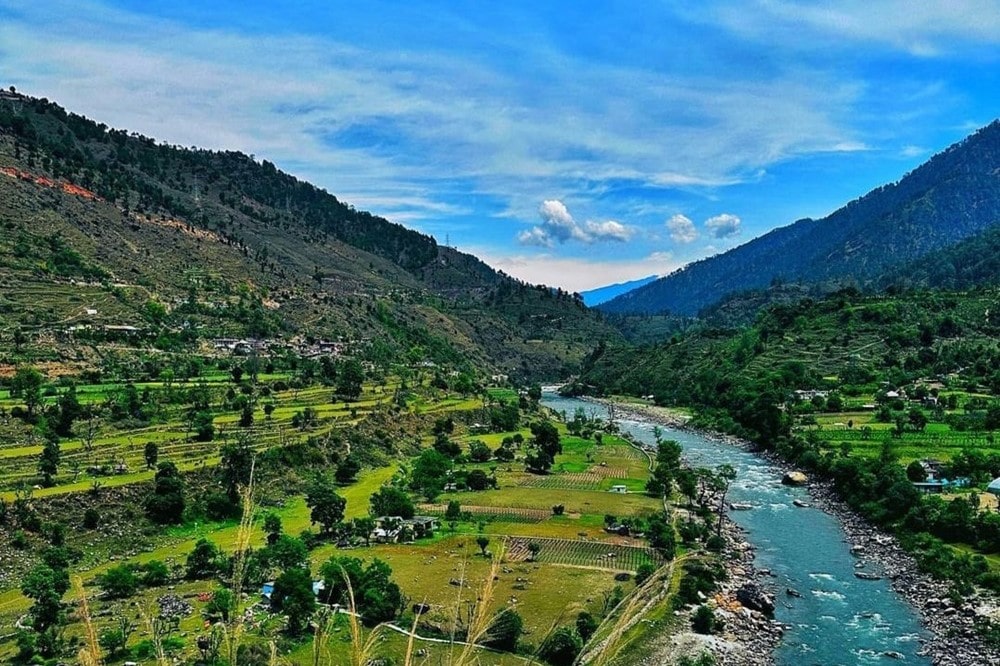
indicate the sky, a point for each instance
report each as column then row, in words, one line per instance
column 572, row 143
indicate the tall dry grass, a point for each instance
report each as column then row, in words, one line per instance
column 609, row 637
column 234, row 627
column 408, row 658
column 362, row 647
column 481, row 618
column 148, row 615
column 90, row 654
column 460, row 652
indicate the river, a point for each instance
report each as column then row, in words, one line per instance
column 839, row 620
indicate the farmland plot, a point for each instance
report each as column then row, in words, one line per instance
column 581, row 481
column 499, row 514
column 571, row 552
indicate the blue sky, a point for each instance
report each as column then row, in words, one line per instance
column 572, row 143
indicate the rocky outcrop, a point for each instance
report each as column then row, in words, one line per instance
column 753, row 596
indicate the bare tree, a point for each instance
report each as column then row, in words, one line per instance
column 88, row 432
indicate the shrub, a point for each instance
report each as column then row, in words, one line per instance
column 20, row 540
column 204, row 561
column 715, row 543
column 119, row 582
column 155, row 573
column 586, row 625
column 477, row 480
column 91, row 518
column 704, row 621
column 144, row 649
column 218, row 506
column 166, row 504
column 646, row 569
column 561, row 647
column 505, row 631
column 221, row 603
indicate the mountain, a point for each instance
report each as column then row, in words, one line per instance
column 106, row 228
column 953, row 196
column 593, row 297
column 970, row 263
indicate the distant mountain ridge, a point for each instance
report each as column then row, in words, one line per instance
column 599, row 295
column 953, row 196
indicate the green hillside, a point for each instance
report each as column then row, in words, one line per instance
column 189, row 245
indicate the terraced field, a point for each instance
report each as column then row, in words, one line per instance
column 120, row 451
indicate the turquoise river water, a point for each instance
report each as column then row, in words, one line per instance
column 839, row 620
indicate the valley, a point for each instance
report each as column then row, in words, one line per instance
column 243, row 422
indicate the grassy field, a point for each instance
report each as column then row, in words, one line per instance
column 575, row 569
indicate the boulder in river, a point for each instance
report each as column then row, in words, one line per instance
column 755, row 598
column 864, row 575
column 795, row 478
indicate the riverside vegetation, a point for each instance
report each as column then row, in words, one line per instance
column 873, row 392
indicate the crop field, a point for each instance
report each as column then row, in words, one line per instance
column 613, row 557
column 937, row 440
column 623, row 451
column 121, row 451
column 582, row 481
column 606, row 472
column 498, row 514
column 582, row 502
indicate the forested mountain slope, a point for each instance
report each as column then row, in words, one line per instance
column 846, row 339
column 954, row 196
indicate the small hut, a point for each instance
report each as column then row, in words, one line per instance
column 994, row 487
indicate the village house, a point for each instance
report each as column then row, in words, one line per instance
column 394, row 529
column 806, row 395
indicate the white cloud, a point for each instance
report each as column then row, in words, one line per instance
column 609, row 230
column 723, row 226
column 682, row 229
column 558, row 226
column 921, row 29
column 576, row 274
column 558, row 223
column 535, row 236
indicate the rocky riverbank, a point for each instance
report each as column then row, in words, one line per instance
column 746, row 604
column 952, row 639
column 743, row 602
